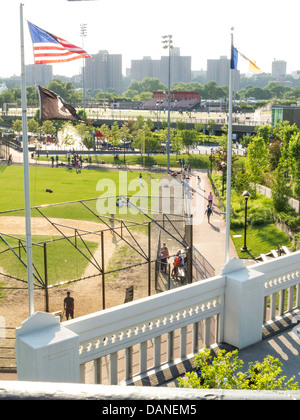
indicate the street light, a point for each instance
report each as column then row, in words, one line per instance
column 246, row 195
column 83, row 33
column 167, row 44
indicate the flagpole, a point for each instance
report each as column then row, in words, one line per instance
column 26, row 171
column 229, row 161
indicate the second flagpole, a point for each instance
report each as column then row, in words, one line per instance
column 229, row 160
column 26, row 171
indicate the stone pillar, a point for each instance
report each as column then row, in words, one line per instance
column 244, row 304
column 46, row 351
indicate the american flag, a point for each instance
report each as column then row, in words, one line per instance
column 49, row 48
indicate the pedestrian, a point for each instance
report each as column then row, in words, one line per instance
column 69, row 306
column 141, row 179
column 52, row 160
column 198, row 181
column 176, row 264
column 164, row 255
column 210, row 199
column 112, row 222
column 208, row 211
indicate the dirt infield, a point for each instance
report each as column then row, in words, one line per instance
column 87, row 293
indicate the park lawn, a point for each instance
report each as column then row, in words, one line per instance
column 67, row 186
column 64, row 262
column 259, row 240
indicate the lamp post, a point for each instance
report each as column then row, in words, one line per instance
column 246, row 195
column 167, row 44
column 83, row 33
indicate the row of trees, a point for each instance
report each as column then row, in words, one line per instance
column 143, row 91
column 140, row 133
column 274, row 159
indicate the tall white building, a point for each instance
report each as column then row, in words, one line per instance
column 278, row 69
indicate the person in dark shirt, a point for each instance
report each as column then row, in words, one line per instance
column 69, row 306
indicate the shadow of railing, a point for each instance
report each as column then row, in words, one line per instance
column 202, row 269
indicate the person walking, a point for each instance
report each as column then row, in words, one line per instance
column 112, row 222
column 69, row 306
column 210, row 199
column 208, row 212
column 141, row 179
column 198, row 181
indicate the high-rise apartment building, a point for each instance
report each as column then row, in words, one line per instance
column 104, row 71
column 41, row 74
column 218, row 71
column 180, row 68
column 279, row 69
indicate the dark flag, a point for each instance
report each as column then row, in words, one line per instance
column 53, row 107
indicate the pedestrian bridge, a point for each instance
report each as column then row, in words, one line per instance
column 127, row 343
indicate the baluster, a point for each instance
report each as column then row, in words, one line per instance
column 207, row 332
column 128, row 363
column 281, row 301
column 272, row 306
column 143, row 357
column 297, row 295
column 170, row 342
column 195, row 338
column 97, row 371
column 157, row 351
column 113, row 368
column 183, row 337
column 290, row 298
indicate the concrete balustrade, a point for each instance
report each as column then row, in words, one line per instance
column 165, row 328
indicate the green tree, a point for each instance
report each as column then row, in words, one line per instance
column 257, row 159
column 17, row 126
column 281, row 189
column 224, row 371
column 48, row 127
column 33, row 126
column 189, row 138
column 145, row 141
column 115, row 134
column 294, row 150
column 88, row 140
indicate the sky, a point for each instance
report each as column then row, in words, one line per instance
column 264, row 30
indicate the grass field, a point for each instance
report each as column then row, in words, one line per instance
column 67, row 185
column 259, row 240
column 64, row 262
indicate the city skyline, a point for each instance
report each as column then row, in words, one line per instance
column 262, row 31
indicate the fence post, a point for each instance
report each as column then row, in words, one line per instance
column 103, row 270
column 46, row 278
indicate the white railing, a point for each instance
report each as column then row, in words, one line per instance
column 151, row 331
column 144, row 336
column 281, row 287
